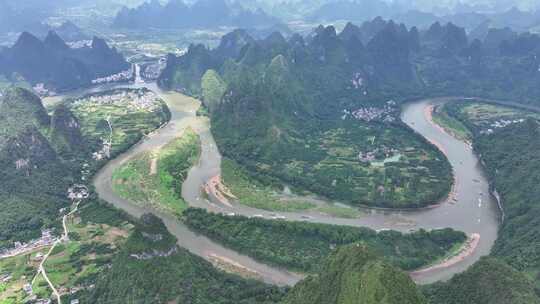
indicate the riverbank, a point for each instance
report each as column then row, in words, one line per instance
column 459, row 216
column 232, row 266
column 183, row 115
column 450, row 125
column 217, row 189
column 428, row 113
column 468, row 248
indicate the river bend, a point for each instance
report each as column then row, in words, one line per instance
column 473, row 211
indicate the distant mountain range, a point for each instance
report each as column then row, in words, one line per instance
column 377, row 52
column 56, row 65
column 514, row 18
column 441, row 7
column 12, row 19
column 355, row 11
column 70, row 32
column 286, row 90
column 20, row 18
column 201, row 14
column 384, row 54
column 468, row 17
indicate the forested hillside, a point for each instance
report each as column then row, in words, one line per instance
column 151, row 268
column 320, row 113
column 42, row 155
column 53, row 63
column 513, row 164
column 441, row 60
column 489, row 281
column 507, row 140
column 303, row 246
column 354, row 274
column 34, row 178
column 302, row 97
column 323, row 109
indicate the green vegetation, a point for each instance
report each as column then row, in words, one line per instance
column 479, row 118
column 177, row 276
column 339, row 211
column 42, row 155
column 34, row 178
column 96, row 233
column 314, row 122
column 92, row 246
column 451, row 124
column 355, row 274
column 57, row 66
column 156, row 178
column 41, row 287
column 250, row 192
column 7, row 83
column 188, row 77
column 376, row 163
column 513, row 163
column 489, row 281
column 213, row 88
column 21, row 269
column 508, row 140
column 327, row 163
column 302, row 246
column 128, row 113
column 254, row 194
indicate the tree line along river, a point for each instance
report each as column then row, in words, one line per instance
column 473, row 210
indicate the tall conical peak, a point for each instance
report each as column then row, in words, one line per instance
column 349, row 31
column 54, row 41
column 23, row 102
column 99, row 43
column 275, row 38
column 27, row 40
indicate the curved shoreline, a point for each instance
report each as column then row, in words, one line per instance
column 219, row 191
column 493, row 192
column 463, row 216
column 468, row 248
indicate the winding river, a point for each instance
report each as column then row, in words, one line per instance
column 472, row 211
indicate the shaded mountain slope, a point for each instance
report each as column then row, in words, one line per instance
column 34, row 179
column 176, row 275
column 59, row 67
column 354, row 275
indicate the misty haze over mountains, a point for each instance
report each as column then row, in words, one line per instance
column 286, row 151
column 26, row 11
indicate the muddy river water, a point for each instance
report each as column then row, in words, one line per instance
column 473, row 210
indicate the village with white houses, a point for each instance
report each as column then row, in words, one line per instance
column 501, row 123
column 39, row 250
column 126, row 75
column 76, row 192
column 47, row 239
column 378, row 154
column 130, row 98
column 386, row 114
